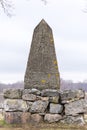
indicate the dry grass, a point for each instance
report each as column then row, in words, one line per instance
column 56, row 126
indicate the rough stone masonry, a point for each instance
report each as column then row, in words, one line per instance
column 42, row 68
column 47, row 105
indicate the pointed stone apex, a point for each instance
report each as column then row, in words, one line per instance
column 43, row 21
column 43, row 24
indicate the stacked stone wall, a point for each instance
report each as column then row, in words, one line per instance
column 48, row 105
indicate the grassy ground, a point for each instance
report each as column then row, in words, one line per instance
column 4, row 126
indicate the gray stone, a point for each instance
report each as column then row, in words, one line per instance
column 31, row 91
column 17, row 117
column 42, row 68
column 39, row 106
column 42, row 98
column 29, row 104
column 1, row 114
column 56, row 108
column 36, row 118
column 71, row 95
column 29, row 97
column 54, row 99
column 25, row 117
column 76, row 107
column 42, row 114
column 15, row 105
column 85, row 95
column 12, row 93
column 76, row 120
column 49, row 93
column 85, row 117
column 1, row 105
column 52, row 118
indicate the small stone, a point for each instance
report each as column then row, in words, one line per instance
column 68, row 96
column 76, row 107
column 39, row 106
column 56, row 108
column 29, row 104
column 1, row 114
column 49, row 93
column 42, row 114
column 1, row 105
column 29, row 97
column 26, row 117
column 13, row 117
column 31, row 91
column 36, row 118
column 15, row 105
column 45, row 98
column 85, row 118
column 17, row 117
column 78, row 120
column 12, row 93
column 85, row 95
column 42, row 98
column 52, row 118
column 54, row 99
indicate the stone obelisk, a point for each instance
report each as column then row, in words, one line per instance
column 42, row 68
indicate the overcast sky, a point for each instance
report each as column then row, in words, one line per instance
column 68, row 20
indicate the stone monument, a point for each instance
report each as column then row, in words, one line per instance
column 42, row 68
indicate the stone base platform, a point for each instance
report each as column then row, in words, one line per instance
column 48, row 105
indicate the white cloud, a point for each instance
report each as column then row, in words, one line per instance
column 77, row 77
column 11, row 77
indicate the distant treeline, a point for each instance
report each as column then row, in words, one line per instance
column 65, row 84
column 14, row 85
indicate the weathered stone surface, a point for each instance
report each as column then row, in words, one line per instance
column 52, row 118
column 49, row 93
column 1, row 105
column 56, row 108
column 85, row 95
column 1, row 114
column 36, row 118
column 15, row 105
column 25, row 117
column 39, row 106
column 17, row 117
column 85, row 117
column 54, row 99
column 29, row 97
column 42, row 98
column 78, row 120
column 13, row 93
column 71, row 95
column 42, row 69
column 29, row 104
column 76, row 107
column 31, row 91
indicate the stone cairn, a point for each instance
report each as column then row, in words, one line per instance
column 41, row 100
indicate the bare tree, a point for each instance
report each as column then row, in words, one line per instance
column 45, row 1
column 7, row 7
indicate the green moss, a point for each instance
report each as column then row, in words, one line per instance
column 55, row 62
column 3, row 123
column 43, row 81
column 49, row 75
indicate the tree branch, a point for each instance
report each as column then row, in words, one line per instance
column 45, row 1
column 7, row 6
